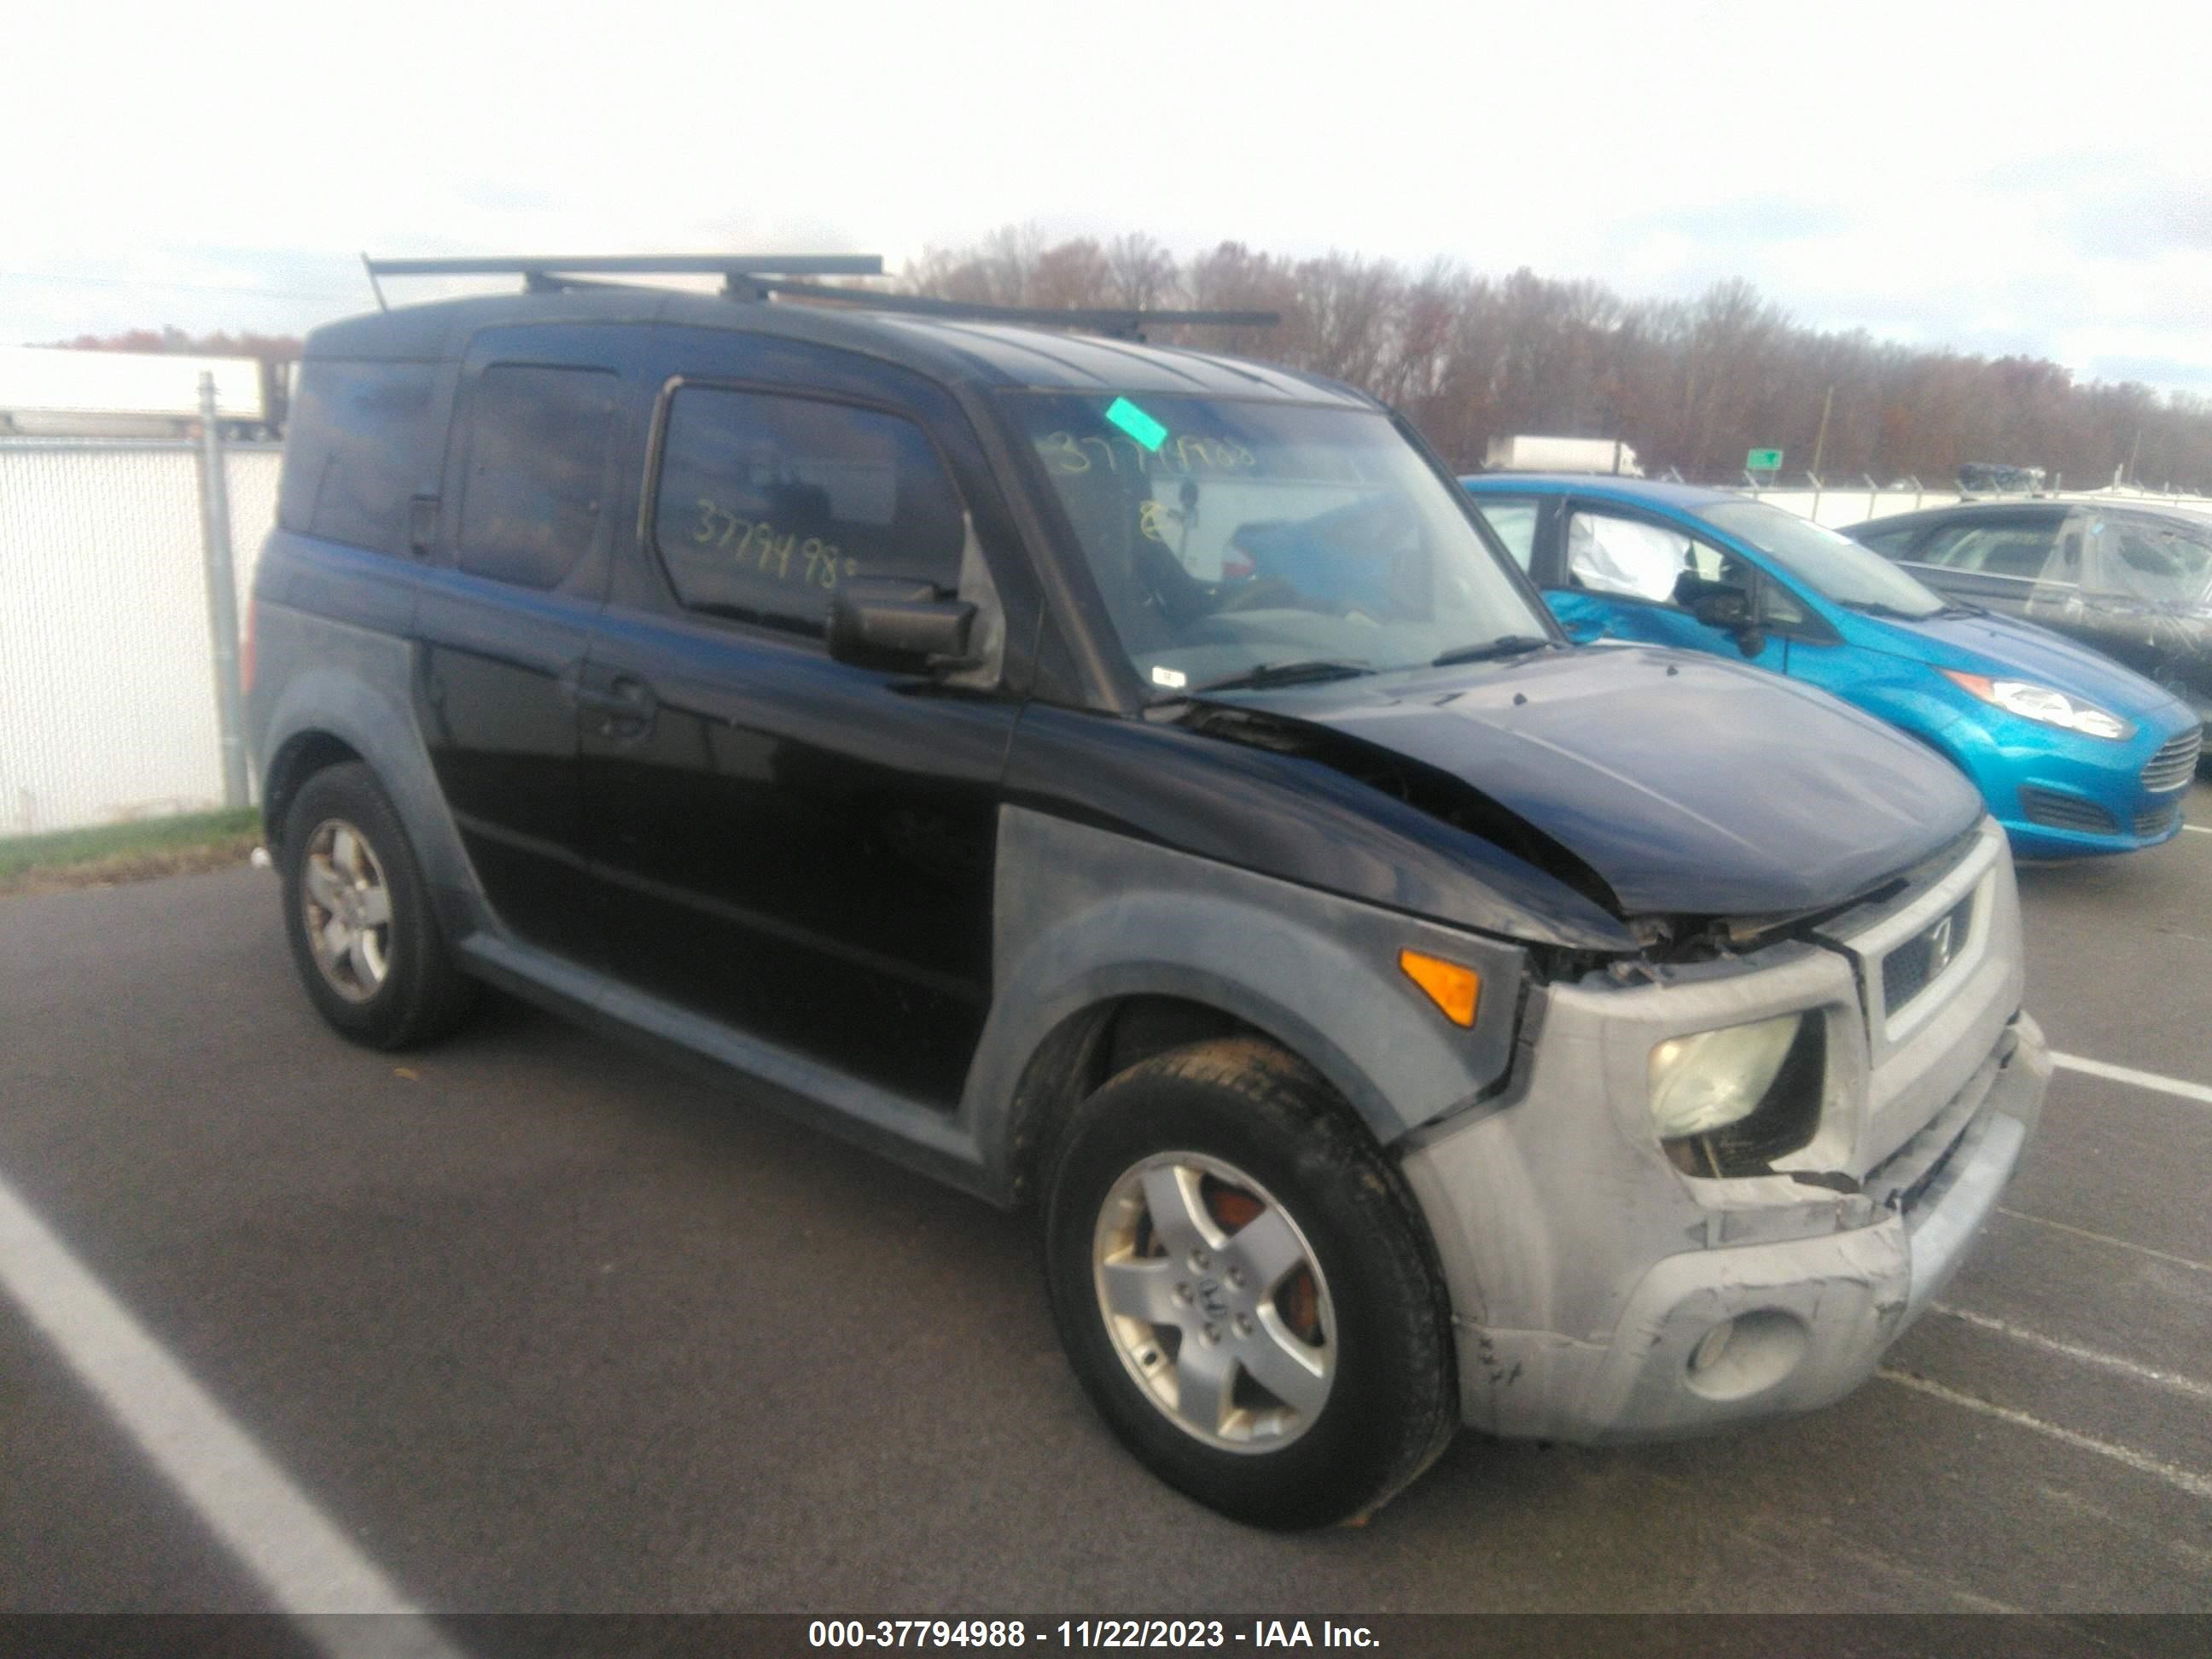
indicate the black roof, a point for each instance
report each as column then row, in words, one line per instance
column 951, row 350
column 2012, row 507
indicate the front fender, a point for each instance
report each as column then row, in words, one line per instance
column 1085, row 916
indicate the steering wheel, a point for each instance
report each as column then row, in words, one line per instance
column 1262, row 594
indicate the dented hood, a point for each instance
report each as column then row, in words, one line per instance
column 1690, row 784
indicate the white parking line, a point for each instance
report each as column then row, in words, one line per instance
column 2173, row 1380
column 304, row 1562
column 2187, row 1481
column 2107, row 1238
column 2197, row 829
column 2168, row 1085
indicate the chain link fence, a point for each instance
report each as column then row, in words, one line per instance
column 108, row 688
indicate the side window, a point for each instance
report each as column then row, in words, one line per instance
column 1609, row 555
column 1513, row 519
column 1992, row 550
column 1890, row 543
column 366, row 436
column 537, row 442
column 766, row 503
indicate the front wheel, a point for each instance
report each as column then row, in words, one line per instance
column 1241, row 1285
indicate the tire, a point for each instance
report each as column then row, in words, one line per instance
column 1259, row 1166
column 357, row 914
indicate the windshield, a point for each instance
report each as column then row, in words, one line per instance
column 1230, row 537
column 1832, row 564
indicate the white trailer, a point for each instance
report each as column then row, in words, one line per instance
column 55, row 391
column 1525, row 453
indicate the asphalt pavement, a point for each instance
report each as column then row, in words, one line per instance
column 539, row 1324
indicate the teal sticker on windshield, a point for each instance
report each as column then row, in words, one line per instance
column 1137, row 424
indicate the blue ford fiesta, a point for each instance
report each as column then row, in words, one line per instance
column 2074, row 754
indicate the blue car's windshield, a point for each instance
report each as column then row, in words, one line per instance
column 1830, row 564
column 1228, row 537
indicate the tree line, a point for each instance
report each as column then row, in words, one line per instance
column 1690, row 383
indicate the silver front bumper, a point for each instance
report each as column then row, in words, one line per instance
column 1599, row 1294
column 1809, row 1318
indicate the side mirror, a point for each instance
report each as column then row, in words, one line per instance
column 884, row 622
column 1725, row 608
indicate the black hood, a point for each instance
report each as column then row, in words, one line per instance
column 1690, row 785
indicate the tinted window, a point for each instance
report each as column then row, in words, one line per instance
column 767, row 503
column 1890, row 543
column 1991, row 550
column 538, row 465
column 364, row 437
column 1513, row 519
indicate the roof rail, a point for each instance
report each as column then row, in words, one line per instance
column 756, row 277
column 1124, row 323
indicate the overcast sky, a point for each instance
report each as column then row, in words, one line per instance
column 2013, row 178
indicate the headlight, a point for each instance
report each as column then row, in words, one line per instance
column 1707, row 1081
column 2042, row 704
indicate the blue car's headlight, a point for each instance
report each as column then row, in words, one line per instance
column 2040, row 703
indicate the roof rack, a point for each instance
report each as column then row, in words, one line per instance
column 554, row 272
column 1124, row 323
column 756, row 277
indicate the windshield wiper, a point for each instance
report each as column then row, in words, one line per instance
column 1874, row 608
column 1285, row 673
column 1506, row 645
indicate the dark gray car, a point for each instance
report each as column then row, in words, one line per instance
column 2133, row 582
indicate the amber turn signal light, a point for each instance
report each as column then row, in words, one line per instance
column 1453, row 988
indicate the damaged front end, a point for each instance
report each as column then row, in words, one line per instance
column 1728, row 1166
column 1723, row 1187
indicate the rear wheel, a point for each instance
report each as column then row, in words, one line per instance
column 358, row 916
column 1243, row 1287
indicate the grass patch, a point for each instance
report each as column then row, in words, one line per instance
column 127, row 852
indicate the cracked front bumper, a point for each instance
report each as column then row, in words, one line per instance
column 1736, row 1331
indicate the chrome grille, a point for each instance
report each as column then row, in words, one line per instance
column 2175, row 763
column 2158, row 820
column 2055, row 811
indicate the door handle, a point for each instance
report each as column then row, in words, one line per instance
column 626, row 706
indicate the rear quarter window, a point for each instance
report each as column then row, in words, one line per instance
column 364, row 438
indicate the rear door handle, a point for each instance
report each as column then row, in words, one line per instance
column 625, row 707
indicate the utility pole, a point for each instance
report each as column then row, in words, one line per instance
column 222, row 598
column 1820, row 442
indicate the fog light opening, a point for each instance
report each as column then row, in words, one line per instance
column 1746, row 1355
column 1709, row 1350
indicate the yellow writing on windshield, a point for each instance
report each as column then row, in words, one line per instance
column 1066, row 455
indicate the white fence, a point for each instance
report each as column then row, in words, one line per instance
column 1839, row 506
column 108, row 697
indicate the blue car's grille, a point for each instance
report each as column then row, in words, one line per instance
column 2158, row 820
column 1907, row 970
column 2056, row 811
column 2175, row 763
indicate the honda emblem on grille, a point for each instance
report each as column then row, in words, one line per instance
column 1939, row 947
